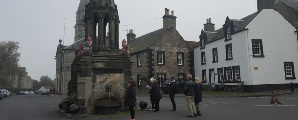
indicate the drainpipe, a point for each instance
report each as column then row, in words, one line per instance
column 249, row 65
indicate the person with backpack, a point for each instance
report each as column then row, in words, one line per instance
column 173, row 90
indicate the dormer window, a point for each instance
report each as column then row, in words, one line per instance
column 228, row 29
column 229, row 33
column 203, row 39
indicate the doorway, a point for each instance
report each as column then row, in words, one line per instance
column 211, row 78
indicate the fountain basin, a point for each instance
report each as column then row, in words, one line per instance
column 107, row 109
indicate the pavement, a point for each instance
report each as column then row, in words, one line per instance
column 223, row 106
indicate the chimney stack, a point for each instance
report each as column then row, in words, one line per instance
column 169, row 21
column 209, row 26
column 130, row 36
column 265, row 4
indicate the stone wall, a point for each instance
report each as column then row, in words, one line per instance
column 171, row 42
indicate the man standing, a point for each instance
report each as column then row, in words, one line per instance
column 189, row 94
column 173, row 91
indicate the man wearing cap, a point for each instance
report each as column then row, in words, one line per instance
column 172, row 87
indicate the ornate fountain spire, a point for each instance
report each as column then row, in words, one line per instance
column 103, row 15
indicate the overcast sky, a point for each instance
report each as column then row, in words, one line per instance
column 39, row 24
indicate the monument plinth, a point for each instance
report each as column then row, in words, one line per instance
column 100, row 76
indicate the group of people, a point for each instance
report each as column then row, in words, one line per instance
column 192, row 91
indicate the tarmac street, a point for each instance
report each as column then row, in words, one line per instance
column 43, row 107
column 224, row 108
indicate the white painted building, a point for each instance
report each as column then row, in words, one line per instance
column 256, row 50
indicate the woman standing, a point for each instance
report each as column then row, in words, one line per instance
column 131, row 98
column 198, row 94
column 155, row 94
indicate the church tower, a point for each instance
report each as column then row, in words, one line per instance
column 80, row 25
column 102, row 24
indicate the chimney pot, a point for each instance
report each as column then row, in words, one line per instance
column 172, row 12
column 209, row 26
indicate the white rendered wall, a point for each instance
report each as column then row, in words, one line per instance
column 279, row 46
column 239, row 52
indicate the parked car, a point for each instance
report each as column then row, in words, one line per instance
column 44, row 93
column 4, row 92
column 1, row 95
column 31, row 92
column 23, row 93
column 165, row 85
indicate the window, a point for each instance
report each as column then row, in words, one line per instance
column 180, row 58
column 139, row 60
column 229, row 55
column 203, row 58
column 160, row 58
column 236, row 73
column 215, row 55
column 229, row 33
column 181, row 75
column 139, row 81
column 220, row 75
column 228, row 74
column 289, row 70
column 257, row 48
column 161, row 77
column 204, row 76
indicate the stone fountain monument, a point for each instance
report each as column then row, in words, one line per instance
column 99, row 75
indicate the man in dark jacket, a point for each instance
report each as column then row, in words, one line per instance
column 131, row 98
column 189, row 94
column 172, row 87
column 155, row 94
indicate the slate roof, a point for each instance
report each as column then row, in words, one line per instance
column 192, row 44
column 47, row 87
column 145, row 42
column 291, row 3
column 239, row 25
column 82, row 4
column 75, row 45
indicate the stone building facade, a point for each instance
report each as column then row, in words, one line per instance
column 65, row 54
column 22, row 80
column 160, row 54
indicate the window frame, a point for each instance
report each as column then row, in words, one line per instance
column 228, row 33
column 292, row 70
column 158, row 77
column 139, row 81
column 227, row 51
column 214, row 50
column 139, row 60
column 162, row 58
column 204, row 79
column 203, row 58
column 182, row 58
column 234, row 73
column 220, row 72
column 183, row 75
column 260, row 49
column 225, row 74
